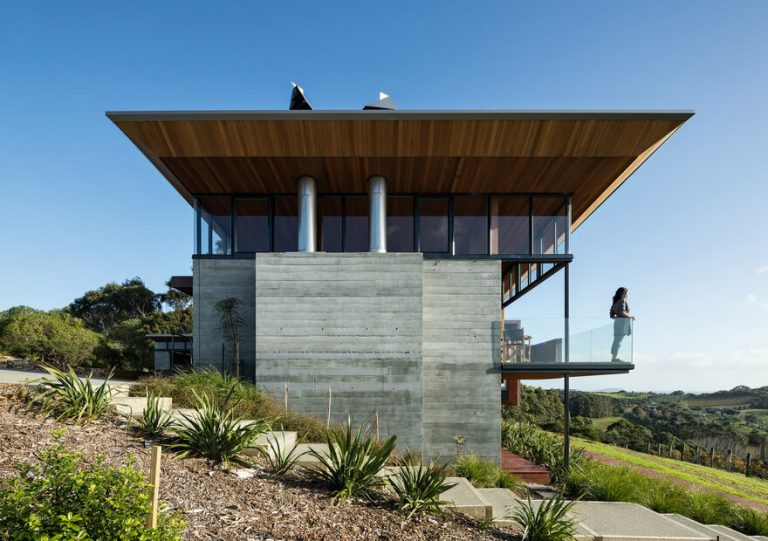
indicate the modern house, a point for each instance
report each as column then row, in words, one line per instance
column 373, row 252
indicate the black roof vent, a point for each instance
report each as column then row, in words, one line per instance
column 298, row 100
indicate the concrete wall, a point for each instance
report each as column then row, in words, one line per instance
column 214, row 280
column 351, row 322
column 393, row 333
column 460, row 364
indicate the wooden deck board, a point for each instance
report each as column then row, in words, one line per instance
column 523, row 469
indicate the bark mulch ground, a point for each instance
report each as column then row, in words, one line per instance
column 219, row 505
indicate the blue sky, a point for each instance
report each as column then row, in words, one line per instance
column 81, row 206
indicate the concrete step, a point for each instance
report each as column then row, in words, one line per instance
column 307, row 460
column 759, row 538
column 285, row 442
column 619, row 521
column 728, row 534
column 133, row 406
column 119, row 389
column 544, row 492
column 698, row 526
column 178, row 413
column 466, row 499
column 500, row 499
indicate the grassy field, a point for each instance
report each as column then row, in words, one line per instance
column 602, row 423
column 735, row 484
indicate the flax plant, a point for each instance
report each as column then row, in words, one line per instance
column 215, row 432
column 548, row 522
column 418, row 487
column 154, row 422
column 66, row 396
column 352, row 464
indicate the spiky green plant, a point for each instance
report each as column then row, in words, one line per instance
column 66, row 396
column 484, row 523
column 280, row 460
column 351, row 466
column 548, row 522
column 215, row 432
column 154, row 422
column 418, row 486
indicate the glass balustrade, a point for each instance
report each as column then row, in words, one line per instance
column 552, row 341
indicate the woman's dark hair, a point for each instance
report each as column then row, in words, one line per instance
column 619, row 293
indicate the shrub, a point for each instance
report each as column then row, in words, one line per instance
column 548, row 522
column 483, row 473
column 53, row 337
column 418, row 487
column 215, row 432
column 711, row 508
column 750, row 521
column 63, row 499
column 183, row 387
column 66, row 396
column 279, row 459
column 665, row 497
column 154, row 423
column 351, row 466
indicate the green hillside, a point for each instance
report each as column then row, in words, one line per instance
column 736, row 484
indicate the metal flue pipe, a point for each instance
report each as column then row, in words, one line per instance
column 377, row 191
column 307, row 213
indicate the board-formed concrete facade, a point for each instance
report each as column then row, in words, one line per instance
column 407, row 338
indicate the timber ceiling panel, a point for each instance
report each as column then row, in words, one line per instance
column 587, row 154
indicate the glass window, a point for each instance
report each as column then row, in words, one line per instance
column 399, row 224
column 549, row 224
column 433, row 225
column 329, row 224
column 215, row 226
column 286, row 223
column 252, row 225
column 509, row 225
column 470, row 225
column 356, row 224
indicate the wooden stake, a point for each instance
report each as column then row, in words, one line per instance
column 377, row 425
column 154, row 481
column 330, row 398
column 285, row 399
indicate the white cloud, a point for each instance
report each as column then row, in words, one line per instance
column 751, row 299
column 762, row 270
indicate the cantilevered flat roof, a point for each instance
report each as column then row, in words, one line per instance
column 588, row 154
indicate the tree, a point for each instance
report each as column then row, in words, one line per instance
column 103, row 308
column 126, row 344
column 175, row 299
column 590, row 405
column 231, row 323
column 53, row 337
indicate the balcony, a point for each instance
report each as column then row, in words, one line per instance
column 543, row 348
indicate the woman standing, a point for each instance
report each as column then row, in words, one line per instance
column 622, row 321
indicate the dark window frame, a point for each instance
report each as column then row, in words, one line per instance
column 417, row 198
